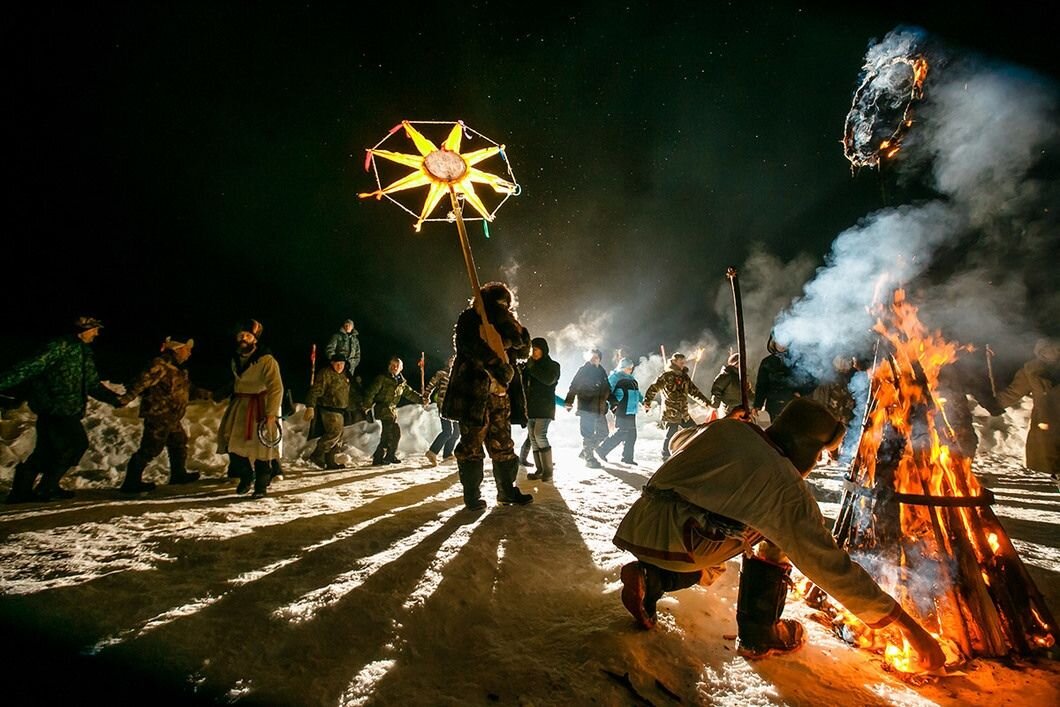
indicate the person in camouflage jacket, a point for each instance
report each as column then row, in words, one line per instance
column 382, row 397
column 677, row 388
column 485, row 397
column 329, row 397
column 164, row 390
column 345, row 343
column 445, row 442
column 61, row 378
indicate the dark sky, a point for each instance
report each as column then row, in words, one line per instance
column 176, row 168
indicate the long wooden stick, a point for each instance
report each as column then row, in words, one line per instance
column 487, row 331
column 741, row 340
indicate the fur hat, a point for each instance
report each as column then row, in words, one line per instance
column 540, row 343
column 336, row 357
column 676, row 355
column 1047, row 351
column 802, row 429
column 251, row 326
column 85, row 323
column 171, row 344
column 733, row 359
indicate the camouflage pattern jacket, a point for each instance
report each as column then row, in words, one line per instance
column 725, row 393
column 677, row 387
column 61, row 378
column 384, row 394
column 476, row 366
column 437, row 387
column 164, row 389
column 330, row 390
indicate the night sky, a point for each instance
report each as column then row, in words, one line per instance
column 175, row 169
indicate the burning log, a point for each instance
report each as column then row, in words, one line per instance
column 916, row 518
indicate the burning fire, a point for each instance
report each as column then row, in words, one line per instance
column 918, row 520
column 881, row 110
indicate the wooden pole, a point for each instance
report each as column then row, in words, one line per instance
column 312, row 365
column 741, row 340
column 486, row 330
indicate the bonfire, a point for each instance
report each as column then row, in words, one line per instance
column 914, row 515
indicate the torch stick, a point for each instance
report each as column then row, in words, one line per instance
column 741, row 340
column 990, row 369
column 312, row 365
column 423, row 366
column 695, row 365
column 486, row 330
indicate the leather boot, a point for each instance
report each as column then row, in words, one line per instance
column 262, row 477
column 471, row 475
column 22, row 485
column 178, row 473
column 504, row 474
column 763, row 592
column 48, row 487
column 134, row 471
column 589, row 454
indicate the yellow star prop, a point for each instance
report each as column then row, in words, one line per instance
column 444, row 170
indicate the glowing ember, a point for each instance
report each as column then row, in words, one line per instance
column 992, row 539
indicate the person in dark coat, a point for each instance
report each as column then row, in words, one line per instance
column 345, row 343
column 592, row 390
column 445, row 442
column 626, row 399
column 61, row 378
column 540, row 376
column 779, row 381
column 483, row 397
column 725, row 393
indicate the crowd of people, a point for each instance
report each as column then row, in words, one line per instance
column 725, row 485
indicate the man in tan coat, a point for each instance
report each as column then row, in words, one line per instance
column 329, row 396
column 249, row 433
column 727, row 488
column 1040, row 379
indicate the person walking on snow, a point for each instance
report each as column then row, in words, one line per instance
column 253, row 412
column 484, row 396
column 677, row 387
column 445, row 442
column 164, row 390
column 328, row 397
column 730, row 486
column 382, row 398
column 1040, row 379
column 626, row 398
column 591, row 389
column 61, row 378
column 540, row 376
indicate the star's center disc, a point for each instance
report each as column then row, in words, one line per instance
column 445, row 165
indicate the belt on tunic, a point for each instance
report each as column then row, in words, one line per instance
column 713, row 525
column 255, row 412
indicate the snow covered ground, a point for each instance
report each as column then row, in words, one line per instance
column 371, row 586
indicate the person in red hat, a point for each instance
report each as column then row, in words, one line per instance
column 732, row 486
column 61, row 379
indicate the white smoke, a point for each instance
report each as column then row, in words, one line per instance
column 980, row 130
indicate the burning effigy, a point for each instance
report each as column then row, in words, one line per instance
column 915, row 517
column 881, row 112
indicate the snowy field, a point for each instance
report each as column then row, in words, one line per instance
column 371, row 586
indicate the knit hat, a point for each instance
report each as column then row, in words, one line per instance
column 625, row 363
column 540, row 343
column 171, row 344
column 336, row 357
column 251, row 326
column 733, row 360
column 802, row 429
column 86, row 323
